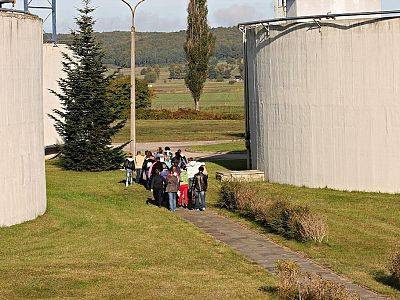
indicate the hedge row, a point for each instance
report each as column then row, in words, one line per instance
column 279, row 216
column 184, row 114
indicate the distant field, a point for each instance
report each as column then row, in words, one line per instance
column 218, row 97
column 173, row 94
column 184, row 130
column 175, row 101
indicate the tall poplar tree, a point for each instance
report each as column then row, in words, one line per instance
column 87, row 121
column 199, row 48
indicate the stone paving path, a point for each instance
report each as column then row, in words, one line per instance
column 261, row 250
column 175, row 145
column 208, row 156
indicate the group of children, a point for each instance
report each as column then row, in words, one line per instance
column 183, row 182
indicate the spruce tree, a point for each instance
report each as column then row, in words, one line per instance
column 87, row 121
column 199, row 48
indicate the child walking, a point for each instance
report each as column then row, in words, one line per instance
column 184, row 189
column 129, row 168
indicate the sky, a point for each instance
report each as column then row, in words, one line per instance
column 165, row 15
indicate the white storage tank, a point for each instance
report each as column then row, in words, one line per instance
column 52, row 72
column 22, row 173
column 295, row 8
column 322, row 103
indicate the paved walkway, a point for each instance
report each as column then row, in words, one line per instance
column 260, row 249
column 208, row 156
column 175, row 145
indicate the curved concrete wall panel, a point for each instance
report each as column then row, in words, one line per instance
column 52, row 72
column 324, row 104
column 22, row 177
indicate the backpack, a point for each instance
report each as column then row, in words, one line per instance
column 129, row 164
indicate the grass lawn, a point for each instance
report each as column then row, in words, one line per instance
column 184, row 130
column 99, row 240
column 234, row 147
column 364, row 230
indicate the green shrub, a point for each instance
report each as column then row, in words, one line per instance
column 151, row 77
column 279, row 216
column 294, row 284
column 183, row 114
column 395, row 268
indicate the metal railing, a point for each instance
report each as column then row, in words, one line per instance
column 386, row 13
column 29, row 5
column 11, row 9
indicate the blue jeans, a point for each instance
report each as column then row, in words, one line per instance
column 200, row 200
column 191, row 193
column 129, row 179
column 138, row 175
column 172, row 201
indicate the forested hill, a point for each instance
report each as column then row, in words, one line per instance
column 162, row 48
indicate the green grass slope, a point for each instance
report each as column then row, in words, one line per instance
column 100, row 240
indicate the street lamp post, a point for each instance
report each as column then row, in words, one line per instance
column 133, row 83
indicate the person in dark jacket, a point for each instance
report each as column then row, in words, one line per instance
column 200, row 185
column 172, row 189
column 157, row 166
column 178, row 161
column 158, row 186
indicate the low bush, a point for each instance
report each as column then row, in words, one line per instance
column 279, row 216
column 288, row 274
column 312, row 227
column 294, row 284
column 184, row 114
column 228, row 196
column 283, row 218
column 395, row 268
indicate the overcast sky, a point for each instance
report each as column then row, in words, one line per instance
column 167, row 15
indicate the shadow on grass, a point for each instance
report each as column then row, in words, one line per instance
column 386, row 279
column 230, row 164
column 237, row 135
column 269, row 290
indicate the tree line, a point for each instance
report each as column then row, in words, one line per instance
column 94, row 104
column 155, row 48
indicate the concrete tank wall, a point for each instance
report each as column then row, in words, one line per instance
column 324, row 104
column 52, row 72
column 22, row 176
